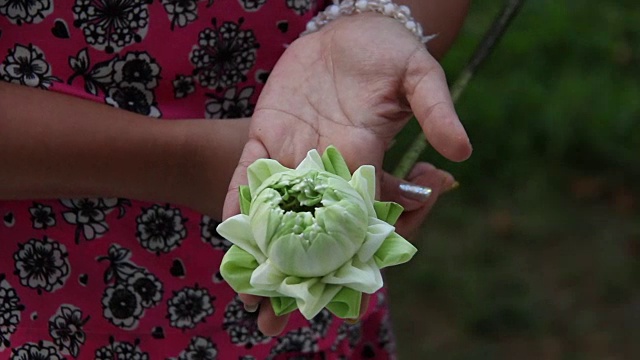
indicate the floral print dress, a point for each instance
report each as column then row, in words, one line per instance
column 123, row 279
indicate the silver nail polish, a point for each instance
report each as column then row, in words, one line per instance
column 415, row 192
column 251, row 308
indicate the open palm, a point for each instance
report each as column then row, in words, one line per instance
column 354, row 85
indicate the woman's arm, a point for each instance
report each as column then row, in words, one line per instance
column 441, row 17
column 54, row 146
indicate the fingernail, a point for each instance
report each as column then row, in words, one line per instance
column 251, row 308
column 415, row 192
column 453, row 186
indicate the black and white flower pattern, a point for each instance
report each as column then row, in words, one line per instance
column 26, row 11
column 189, row 307
column 224, row 55
column 296, row 342
column 131, row 289
column 147, row 286
column 89, row 215
column 242, row 326
column 183, row 86
column 351, row 332
column 252, row 5
column 110, row 25
column 10, row 312
column 368, row 351
column 209, row 234
column 122, row 306
column 182, row 12
column 128, row 82
column 200, row 348
column 117, row 350
column 301, row 7
column 40, row 351
column 42, row 264
column 120, row 265
column 42, row 216
column 234, row 104
column 26, row 65
column 96, row 78
column 66, row 329
column 161, row 228
column 386, row 339
column 217, row 278
column 9, row 219
column 320, row 323
column 134, row 78
column 134, row 97
column 381, row 298
column 136, row 67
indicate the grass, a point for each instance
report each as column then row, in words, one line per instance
column 536, row 255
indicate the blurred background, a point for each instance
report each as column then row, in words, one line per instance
column 537, row 254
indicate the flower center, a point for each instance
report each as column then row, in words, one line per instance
column 161, row 226
column 302, row 194
column 122, row 303
column 191, row 306
column 41, row 216
column 27, row 69
column 113, row 11
column 145, row 288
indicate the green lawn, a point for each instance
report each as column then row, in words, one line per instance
column 536, row 256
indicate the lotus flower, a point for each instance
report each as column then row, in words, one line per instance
column 311, row 237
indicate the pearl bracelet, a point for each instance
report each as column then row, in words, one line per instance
column 401, row 13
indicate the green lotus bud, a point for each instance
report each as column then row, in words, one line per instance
column 311, row 237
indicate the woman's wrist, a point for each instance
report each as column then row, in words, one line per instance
column 210, row 150
column 441, row 17
column 389, row 8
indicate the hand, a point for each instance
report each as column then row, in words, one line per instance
column 416, row 208
column 353, row 85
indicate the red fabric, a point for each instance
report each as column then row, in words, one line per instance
column 123, row 279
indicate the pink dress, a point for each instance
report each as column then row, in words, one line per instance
column 122, row 279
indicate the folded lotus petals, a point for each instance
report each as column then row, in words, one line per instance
column 312, row 237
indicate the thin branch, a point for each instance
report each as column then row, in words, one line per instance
column 486, row 47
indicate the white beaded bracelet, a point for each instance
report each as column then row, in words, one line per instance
column 401, row 13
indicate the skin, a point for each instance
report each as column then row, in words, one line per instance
column 304, row 102
column 441, row 17
column 314, row 98
column 85, row 149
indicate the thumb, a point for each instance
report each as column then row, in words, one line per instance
column 252, row 151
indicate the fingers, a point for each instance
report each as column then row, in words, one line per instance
column 252, row 151
column 417, row 207
column 430, row 176
column 428, row 93
column 409, row 223
column 251, row 302
column 407, row 193
column 364, row 304
column 269, row 323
